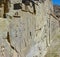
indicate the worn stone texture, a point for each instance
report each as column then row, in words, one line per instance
column 30, row 35
column 2, row 10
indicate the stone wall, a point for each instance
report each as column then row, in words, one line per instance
column 28, row 34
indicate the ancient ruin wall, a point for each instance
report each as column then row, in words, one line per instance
column 28, row 34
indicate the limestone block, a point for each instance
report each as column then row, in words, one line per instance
column 29, row 34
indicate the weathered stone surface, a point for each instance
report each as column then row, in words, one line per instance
column 25, row 34
column 54, row 49
column 5, row 49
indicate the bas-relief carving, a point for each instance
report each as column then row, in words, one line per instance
column 22, row 36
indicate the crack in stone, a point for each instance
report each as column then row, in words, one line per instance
column 8, row 39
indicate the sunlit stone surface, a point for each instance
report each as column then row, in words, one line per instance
column 25, row 34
